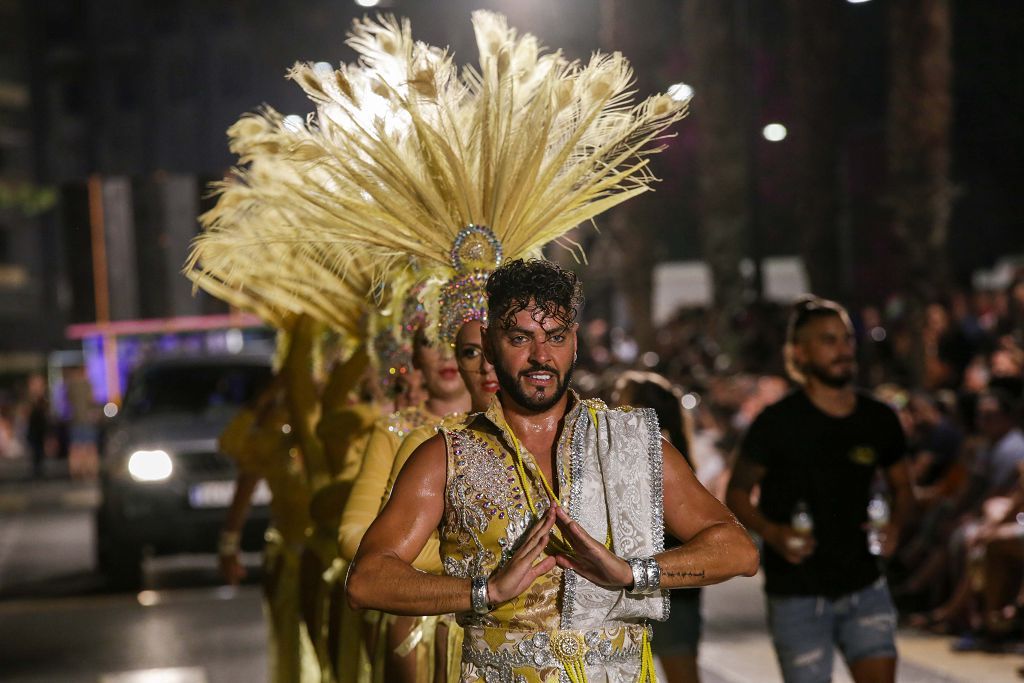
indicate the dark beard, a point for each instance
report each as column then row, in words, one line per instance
column 830, row 380
column 513, row 390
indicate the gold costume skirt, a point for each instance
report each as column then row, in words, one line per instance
column 615, row 654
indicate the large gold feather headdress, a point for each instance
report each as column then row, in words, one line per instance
column 252, row 254
column 410, row 157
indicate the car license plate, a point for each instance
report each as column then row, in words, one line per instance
column 218, row 494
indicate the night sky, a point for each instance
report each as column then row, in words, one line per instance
column 988, row 54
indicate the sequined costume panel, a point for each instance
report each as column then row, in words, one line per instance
column 486, row 516
column 561, row 624
column 610, row 654
column 618, row 494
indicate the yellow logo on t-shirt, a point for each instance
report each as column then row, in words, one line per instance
column 863, row 455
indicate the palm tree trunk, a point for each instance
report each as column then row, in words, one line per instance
column 815, row 61
column 919, row 123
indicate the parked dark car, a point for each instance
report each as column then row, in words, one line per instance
column 165, row 486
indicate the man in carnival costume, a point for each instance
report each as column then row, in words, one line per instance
column 460, row 172
column 410, row 159
column 550, row 512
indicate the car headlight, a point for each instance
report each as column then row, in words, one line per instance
column 150, row 465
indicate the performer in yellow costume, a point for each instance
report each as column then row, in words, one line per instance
column 401, row 648
column 541, row 603
column 482, row 384
column 344, row 430
column 330, row 626
column 409, row 158
column 247, row 258
column 263, row 445
column 459, row 170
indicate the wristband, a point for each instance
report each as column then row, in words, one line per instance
column 646, row 576
column 229, row 543
column 653, row 575
column 636, row 565
column 478, row 595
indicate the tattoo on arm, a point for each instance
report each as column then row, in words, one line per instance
column 695, row 575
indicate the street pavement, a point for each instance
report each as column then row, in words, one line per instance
column 736, row 647
column 59, row 623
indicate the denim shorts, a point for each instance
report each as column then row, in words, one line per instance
column 806, row 629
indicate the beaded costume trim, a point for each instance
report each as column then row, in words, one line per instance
column 656, row 460
column 549, row 650
column 570, row 579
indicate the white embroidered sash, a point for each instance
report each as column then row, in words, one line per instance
column 615, row 471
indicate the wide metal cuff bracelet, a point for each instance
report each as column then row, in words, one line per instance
column 646, row 575
column 653, row 575
column 478, row 595
column 637, row 566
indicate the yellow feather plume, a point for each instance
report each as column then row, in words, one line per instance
column 253, row 253
column 411, row 150
column 405, row 150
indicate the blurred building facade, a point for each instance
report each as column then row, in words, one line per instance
column 130, row 101
column 113, row 114
column 25, row 293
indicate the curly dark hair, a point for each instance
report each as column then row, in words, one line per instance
column 519, row 285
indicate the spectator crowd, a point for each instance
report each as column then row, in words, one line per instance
column 955, row 380
column 956, row 383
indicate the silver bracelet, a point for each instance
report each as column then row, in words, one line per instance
column 639, row 569
column 653, row 575
column 646, row 575
column 478, row 595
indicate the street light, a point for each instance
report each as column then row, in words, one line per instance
column 367, row 3
column 857, row 2
column 774, row 132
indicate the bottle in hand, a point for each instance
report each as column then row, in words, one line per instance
column 878, row 519
column 802, row 523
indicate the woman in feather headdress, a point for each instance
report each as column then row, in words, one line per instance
column 247, row 258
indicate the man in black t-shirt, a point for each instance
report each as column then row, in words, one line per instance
column 814, row 455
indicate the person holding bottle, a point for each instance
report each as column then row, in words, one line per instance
column 815, row 455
